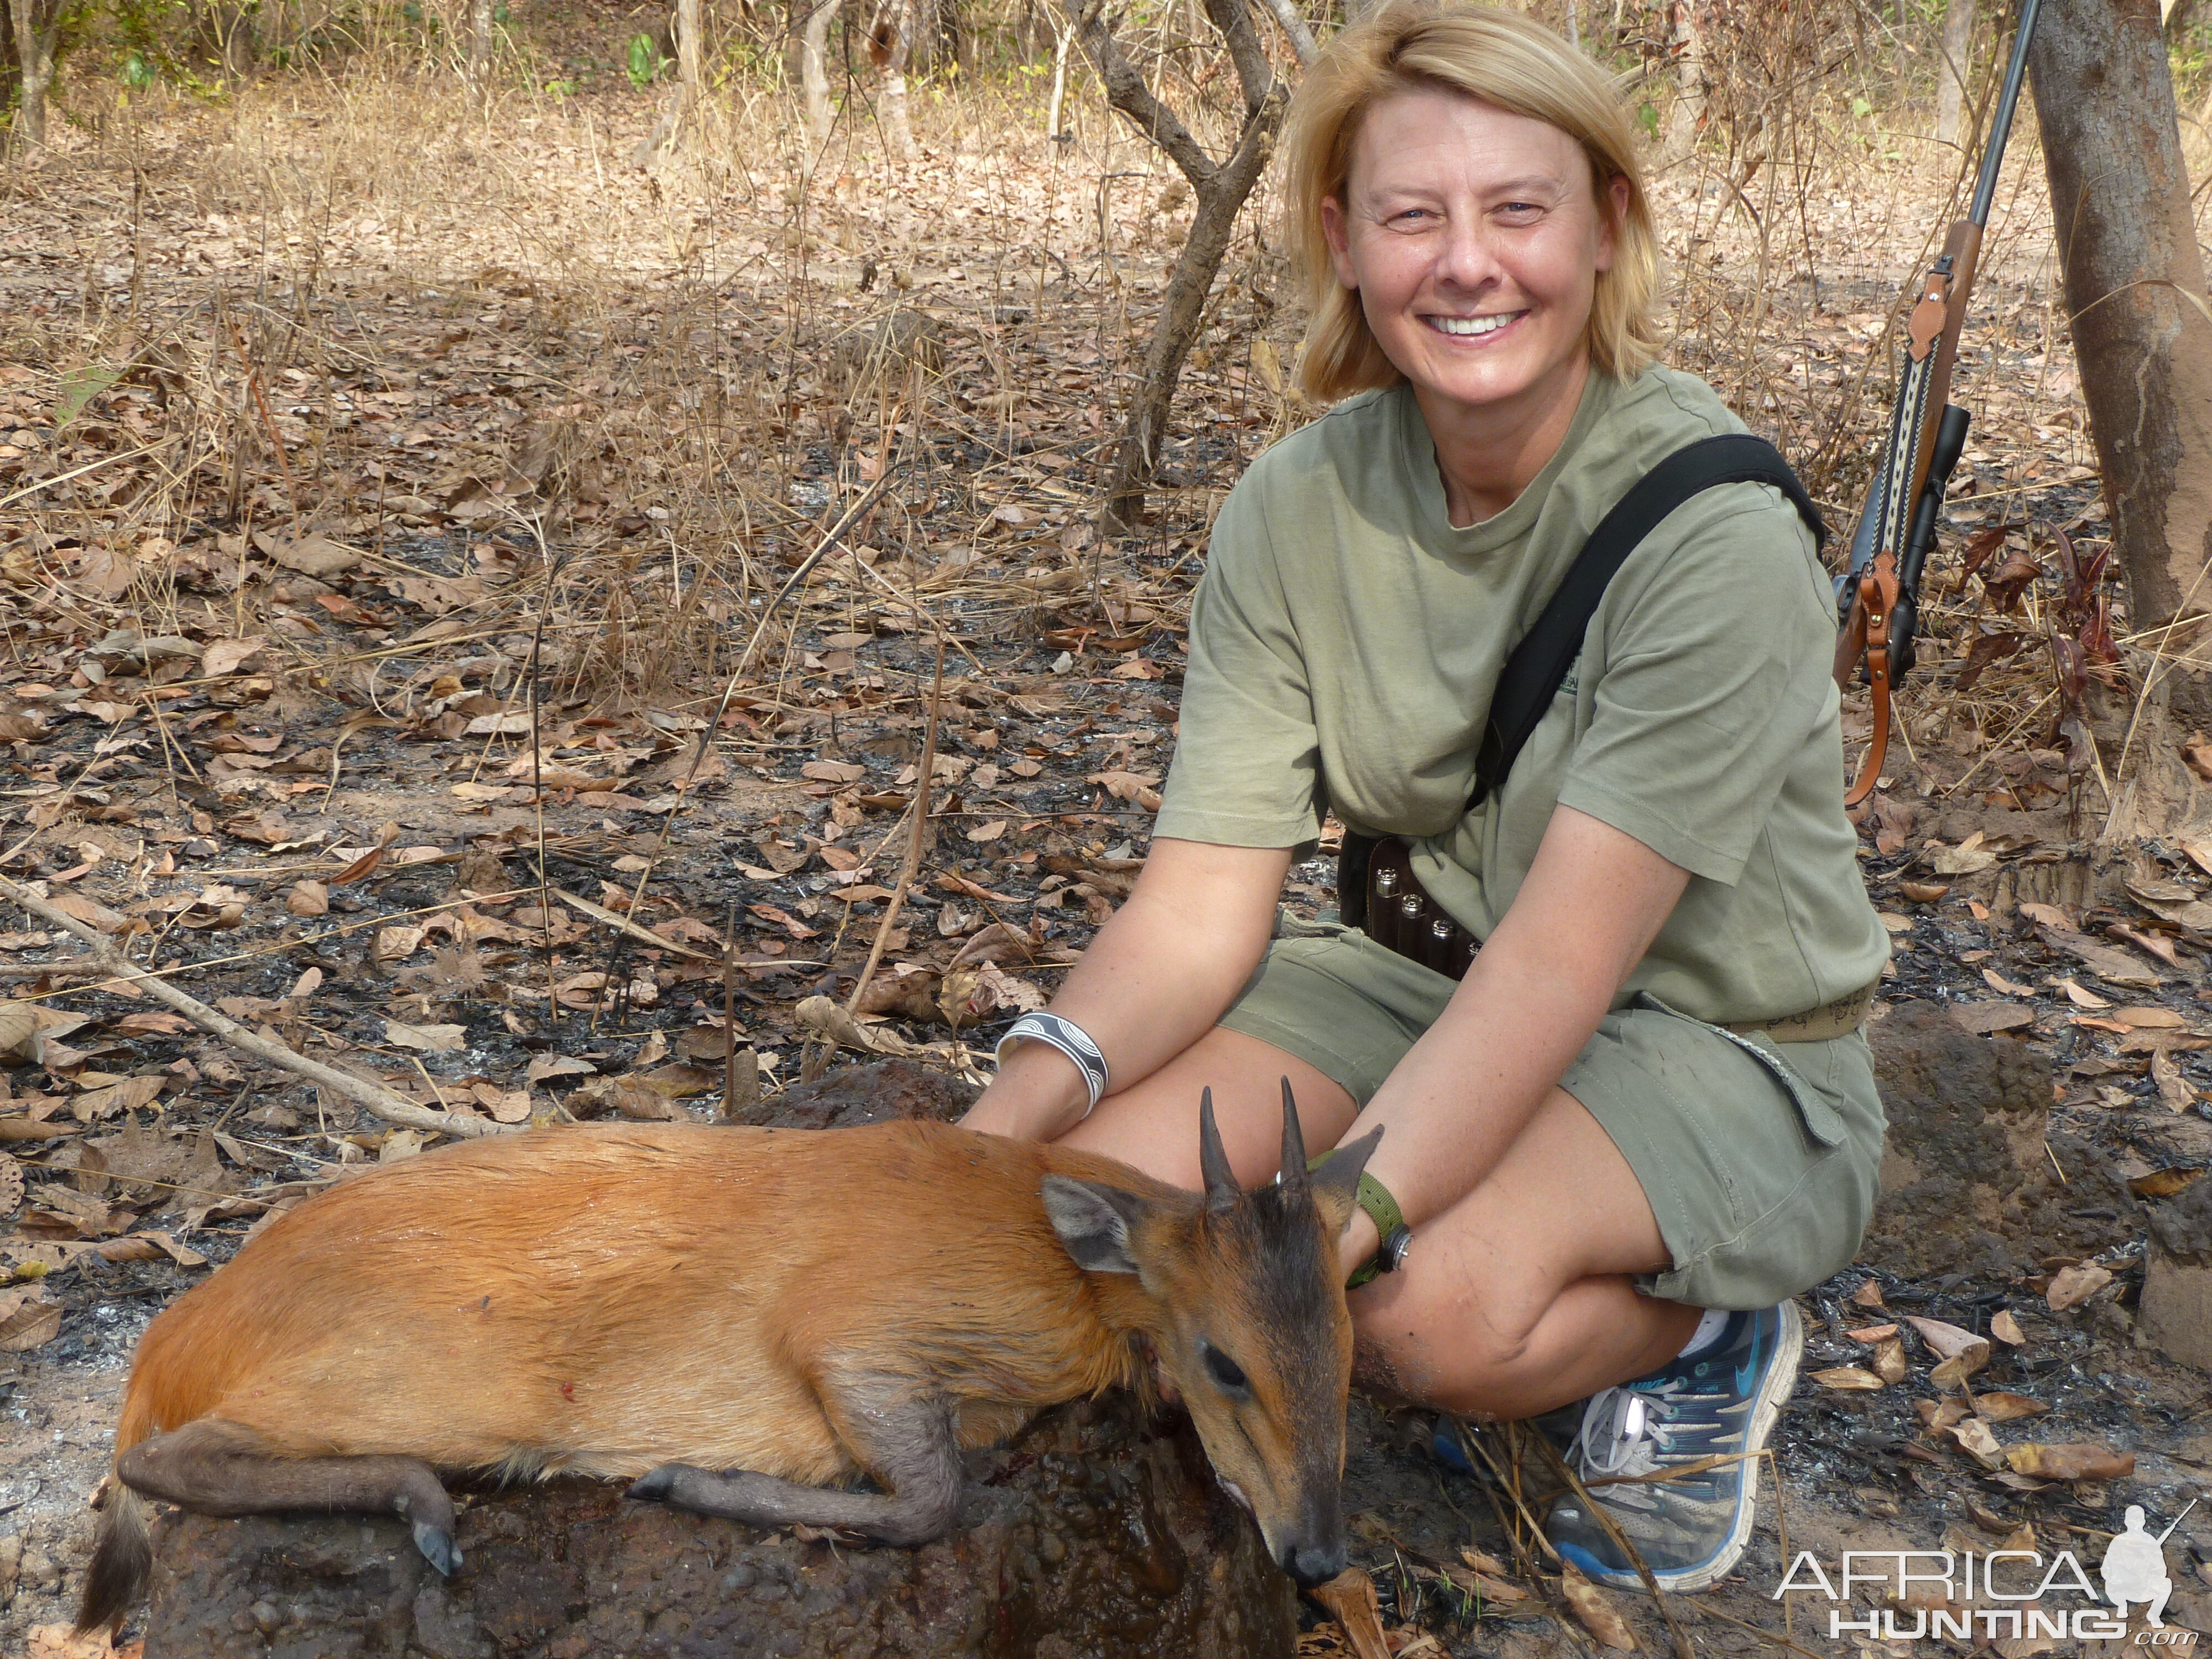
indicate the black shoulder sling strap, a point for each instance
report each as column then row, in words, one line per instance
column 1538, row 664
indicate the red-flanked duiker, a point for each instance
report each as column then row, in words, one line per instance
column 740, row 1321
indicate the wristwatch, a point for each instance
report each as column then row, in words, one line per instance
column 1397, row 1238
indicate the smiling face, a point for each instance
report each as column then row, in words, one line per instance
column 1475, row 238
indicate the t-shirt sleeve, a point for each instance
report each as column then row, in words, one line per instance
column 1716, row 677
column 1246, row 760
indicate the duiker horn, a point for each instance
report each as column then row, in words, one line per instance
column 1221, row 1188
column 1293, row 1178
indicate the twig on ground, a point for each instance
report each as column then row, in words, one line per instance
column 372, row 1097
column 912, row 865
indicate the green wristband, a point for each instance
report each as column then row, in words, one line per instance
column 1383, row 1210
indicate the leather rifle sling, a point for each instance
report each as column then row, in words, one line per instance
column 1877, row 603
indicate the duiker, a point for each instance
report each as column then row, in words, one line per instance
column 734, row 1319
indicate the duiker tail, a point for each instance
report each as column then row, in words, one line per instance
column 123, row 1559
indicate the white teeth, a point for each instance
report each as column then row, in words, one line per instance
column 1474, row 325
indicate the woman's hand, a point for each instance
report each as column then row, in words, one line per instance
column 1161, row 971
column 1594, row 901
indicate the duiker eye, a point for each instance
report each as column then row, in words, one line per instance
column 1228, row 1376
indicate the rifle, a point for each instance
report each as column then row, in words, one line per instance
column 1878, row 595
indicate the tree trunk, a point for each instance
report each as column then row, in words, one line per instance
column 1689, row 73
column 480, row 38
column 685, row 98
column 892, row 46
column 814, row 78
column 2134, row 289
column 690, row 52
column 36, row 68
column 1950, row 66
column 1182, row 308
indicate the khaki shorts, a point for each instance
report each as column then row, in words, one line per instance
column 1758, row 1158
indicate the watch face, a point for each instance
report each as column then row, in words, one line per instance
column 1395, row 1248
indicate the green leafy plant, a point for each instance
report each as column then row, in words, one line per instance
column 645, row 61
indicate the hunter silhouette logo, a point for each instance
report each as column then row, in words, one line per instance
column 2134, row 1568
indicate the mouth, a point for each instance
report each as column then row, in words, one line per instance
column 1466, row 328
column 1236, row 1492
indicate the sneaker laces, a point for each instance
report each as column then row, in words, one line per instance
column 1623, row 1433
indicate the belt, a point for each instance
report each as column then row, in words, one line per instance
column 1395, row 911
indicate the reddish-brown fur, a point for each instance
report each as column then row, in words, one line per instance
column 608, row 1300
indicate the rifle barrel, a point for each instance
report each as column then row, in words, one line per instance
column 2176, row 1522
column 1985, row 188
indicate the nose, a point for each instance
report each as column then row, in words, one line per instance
column 1464, row 259
column 1311, row 1565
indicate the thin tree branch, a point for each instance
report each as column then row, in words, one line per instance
column 372, row 1097
column 1126, row 92
column 1254, row 72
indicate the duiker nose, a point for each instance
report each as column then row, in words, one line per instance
column 1313, row 1564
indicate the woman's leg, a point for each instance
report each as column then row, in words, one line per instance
column 1519, row 1297
column 1514, row 1300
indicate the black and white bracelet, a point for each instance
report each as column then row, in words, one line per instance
column 1070, row 1039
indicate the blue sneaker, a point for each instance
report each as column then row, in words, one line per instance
column 1691, row 1531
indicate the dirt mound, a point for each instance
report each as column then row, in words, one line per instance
column 1973, row 1180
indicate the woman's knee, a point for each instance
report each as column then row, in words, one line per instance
column 1466, row 1352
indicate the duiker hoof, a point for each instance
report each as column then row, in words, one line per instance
column 437, row 1547
column 654, row 1485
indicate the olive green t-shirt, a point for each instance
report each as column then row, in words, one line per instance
column 1347, row 638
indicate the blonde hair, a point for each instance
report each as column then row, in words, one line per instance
column 1503, row 60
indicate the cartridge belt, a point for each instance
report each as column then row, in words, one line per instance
column 1399, row 914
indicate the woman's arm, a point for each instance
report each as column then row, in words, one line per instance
column 1161, row 971
column 1594, row 901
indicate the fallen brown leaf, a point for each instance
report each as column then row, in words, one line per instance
column 1979, row 1444
column 1593, row 1610
column 2164, row 1183
column 2002, row 1407
column 1889, row 1362
column 1848, row 1379
column 2006, row 1328
column 425, row 1039
column 1939, row 1415
column 2071, row 1461
column 28, row 1320
column 2071, row 1286
column 1350, row 1599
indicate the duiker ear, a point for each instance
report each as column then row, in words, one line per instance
column 1336, row 1183
column 1093, row 1222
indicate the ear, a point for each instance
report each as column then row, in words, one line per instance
column 1612, row 220
column 1093, row 1222
column 1336, row 231
column 1336, row 1183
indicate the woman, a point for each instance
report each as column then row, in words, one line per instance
column 1645, row 1118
